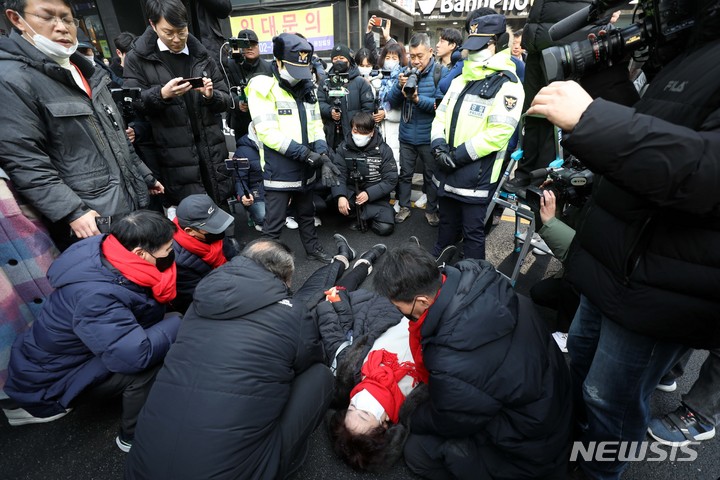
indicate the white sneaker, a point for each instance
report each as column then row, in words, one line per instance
column 291, row 223
column 20, row 416
column 318, row 222
column 259, row 227
column 421, row 202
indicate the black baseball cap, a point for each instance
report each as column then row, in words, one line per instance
column 252, row 36
column 482, row 30
column 295, row 53
column 199, row 211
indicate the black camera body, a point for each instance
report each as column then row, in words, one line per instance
column 382, row 73
column 412, row 82
column 571, row 184
column 236, row 46
column 335, row 83
column 663, row 28
column 124, row 99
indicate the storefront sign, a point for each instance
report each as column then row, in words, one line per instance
column 461, row 7
column 316, row 24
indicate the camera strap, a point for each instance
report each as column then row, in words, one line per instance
column 488, row 87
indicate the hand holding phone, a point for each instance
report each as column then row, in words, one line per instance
column 195, row 82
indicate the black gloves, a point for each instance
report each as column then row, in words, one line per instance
column 330, row 172
column 444, row 157
column 313, row 159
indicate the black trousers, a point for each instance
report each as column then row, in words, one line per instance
column 458, row 217
column 134, row 390
column 310, row 397
column 327, row 276
column 276, row 204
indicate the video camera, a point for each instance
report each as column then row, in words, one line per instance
column 335, row 83
column 662, row 28
column 571, row 184
column 412, row 81
column 124, row 98
column 236, row 46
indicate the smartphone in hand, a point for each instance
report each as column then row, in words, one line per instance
column 196, row 82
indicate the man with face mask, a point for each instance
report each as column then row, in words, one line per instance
column 341, row 97
column 293, row 150
column 62, row 144
column 469, row 154
column 198, row 244
column 103, row 331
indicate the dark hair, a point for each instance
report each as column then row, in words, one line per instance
column 143, row 228
column 363, row 121
column 394, row 47
column 364, row 54
column 273, row 255
column 406, row 272
column 518, row 33
column 124, row 42
column 19, row 5
column 480, row 12
column 452, row 35
column 173, row 11
column 360, row 451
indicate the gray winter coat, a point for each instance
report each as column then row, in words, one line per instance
column 65, row 152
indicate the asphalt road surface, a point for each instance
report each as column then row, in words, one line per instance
column 81, row 445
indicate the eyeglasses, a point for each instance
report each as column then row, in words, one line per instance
column 53, row 20
column 180, row 36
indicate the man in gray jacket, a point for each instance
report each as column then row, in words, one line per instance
column 62, row 142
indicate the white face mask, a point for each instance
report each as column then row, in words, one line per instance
column 365, row 71
column 285, row 75
column 391, row 64
column 360, row 140
column 363, row 400
column 50, row 48
column 480, row 56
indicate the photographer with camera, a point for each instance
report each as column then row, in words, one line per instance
column 645, row 255
column 415, row 94
column 294, row 153
column 241, row 68
column 344, row 93
column 471, row 131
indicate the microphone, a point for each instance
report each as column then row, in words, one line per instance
column 570, row 24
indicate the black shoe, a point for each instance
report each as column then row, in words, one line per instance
column 343, row 247
column 375, row 252
column 446, row 256
column 320, row 255
column 516, row 184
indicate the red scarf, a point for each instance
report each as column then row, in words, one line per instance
column 210, row 253
column 416, row 345
column 382, row 372
column 137, row 270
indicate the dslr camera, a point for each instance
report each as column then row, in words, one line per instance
column 124, row 99
column 571, row 184
column 236, row 46
column 382, row 73
column 412, row 81
column 662, row 29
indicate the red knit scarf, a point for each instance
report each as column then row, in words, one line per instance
column 382, row 371
column 416, row 345
column 137, row 270
column 210, row 253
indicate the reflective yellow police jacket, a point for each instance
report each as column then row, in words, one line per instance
column 482, row 130
column 287, row 127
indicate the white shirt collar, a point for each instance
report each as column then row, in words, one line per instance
column 163, row 48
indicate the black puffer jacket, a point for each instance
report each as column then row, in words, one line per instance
column 65, row 152
column 496, row 374
column 192, row 153
column 214, row 405
column 646, row 251
column 359, row 98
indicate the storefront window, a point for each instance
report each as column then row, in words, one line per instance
column 90, row 23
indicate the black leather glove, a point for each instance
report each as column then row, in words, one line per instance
column 444, row 158
column 330, row 172
column 313, row 159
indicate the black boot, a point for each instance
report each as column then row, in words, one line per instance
column 343, row 247
column 320, row 255
column 446, row 256
column 373, row 254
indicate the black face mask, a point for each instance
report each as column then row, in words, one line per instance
column 340, row 67
column 163, row 263
column 214, row 237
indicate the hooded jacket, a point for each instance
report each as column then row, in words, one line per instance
column 186, row 129
column 359, row 98
column 416, row 131
column 213, row 408
column 495, row 374
column 95, row 323
column 65, row 152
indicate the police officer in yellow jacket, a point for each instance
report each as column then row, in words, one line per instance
column 294, row 153
column 470, row 133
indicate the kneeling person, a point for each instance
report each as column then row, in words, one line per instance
column 103, row 331
column 198, row 244
column 368, row 175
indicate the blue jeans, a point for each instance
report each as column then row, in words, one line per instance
column 614, row 373
column 257, row 212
